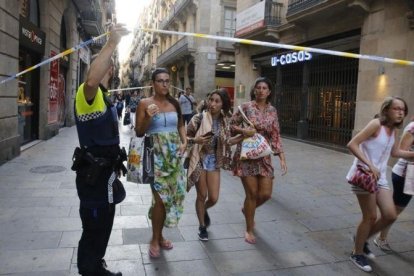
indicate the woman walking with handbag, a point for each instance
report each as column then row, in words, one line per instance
column 399, row 171
column 160, row 117
column 207, row 133
column 372, row 147
column 257, row 174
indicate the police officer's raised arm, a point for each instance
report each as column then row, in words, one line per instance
column 103, row 62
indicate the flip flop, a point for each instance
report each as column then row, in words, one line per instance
column 153, row 253
column 166, row 244
column 249, row 239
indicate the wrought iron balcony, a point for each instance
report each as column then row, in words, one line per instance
column 300, row 5
column 92, row 22
column 182, row 47
column 178, row 6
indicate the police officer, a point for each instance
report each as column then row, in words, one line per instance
column 98, row 160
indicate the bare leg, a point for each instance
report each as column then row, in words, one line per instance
column 250, row 184
column 367, row 203
column 201, row 187
column 265, row 190
column 384, row 232
column 158, row 218
column 213, row 186
column 387, row 209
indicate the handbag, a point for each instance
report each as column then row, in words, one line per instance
column 409, row 179
column 253, row 147
column 135, row 156
column 364, row 179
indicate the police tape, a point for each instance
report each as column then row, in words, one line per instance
column 49, row 60
column 286, row 46
column 129, row 88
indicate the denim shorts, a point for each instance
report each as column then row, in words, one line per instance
column 400, row 199
column 209, row 162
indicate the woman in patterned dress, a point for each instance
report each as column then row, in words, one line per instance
column 257, row 175
column 160, row 117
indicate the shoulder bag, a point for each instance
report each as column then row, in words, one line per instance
column 253, row 147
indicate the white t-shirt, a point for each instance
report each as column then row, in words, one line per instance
column 401, row 165
column 186, row 105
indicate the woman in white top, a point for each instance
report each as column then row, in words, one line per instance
column 372, row 147
column 401, row 200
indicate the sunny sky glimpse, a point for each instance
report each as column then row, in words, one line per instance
column 127, row 12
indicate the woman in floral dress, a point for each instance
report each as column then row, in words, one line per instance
column 160, row 117
column 257, row 175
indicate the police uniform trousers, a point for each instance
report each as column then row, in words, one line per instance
column 97, row 226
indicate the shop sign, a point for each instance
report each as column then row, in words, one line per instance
column 290, row 58
column 31, row 37
column 250, row 19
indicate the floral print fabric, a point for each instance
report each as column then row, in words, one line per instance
column 267, row 124
column 170, row 179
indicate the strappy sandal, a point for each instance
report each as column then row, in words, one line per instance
column 166, row 244
column 153, row 253
column 249, row 239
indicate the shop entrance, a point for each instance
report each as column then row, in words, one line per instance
column 28, row 98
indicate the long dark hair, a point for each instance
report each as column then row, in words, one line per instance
column 385, row 107
column 222, row 93
column 170, row 98
column 269, row 84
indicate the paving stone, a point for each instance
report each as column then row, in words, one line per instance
column 13, row 261
column 71, row 238
column 196, row 267
column 123, row 252
column 124, row 222
column 62, row 224
column 243, row 261
column 182, row 251
column 337, row 268
column 42, row 212
column 30, row 240
column 134, row 209
column 144, row 235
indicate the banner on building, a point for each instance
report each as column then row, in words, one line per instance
column 53, row 90
column 250, row 19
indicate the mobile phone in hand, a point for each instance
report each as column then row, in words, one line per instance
column 208, row 134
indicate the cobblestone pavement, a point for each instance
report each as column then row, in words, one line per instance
column 305, row 229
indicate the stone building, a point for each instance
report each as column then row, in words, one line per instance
column 37, row 104
column 193, row 62
column 324, row 98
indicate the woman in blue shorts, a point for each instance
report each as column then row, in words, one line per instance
column 401, row 200
column 207, row 133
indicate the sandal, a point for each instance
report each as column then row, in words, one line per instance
column 166, row 244
column 153, row 253
column 249, row 238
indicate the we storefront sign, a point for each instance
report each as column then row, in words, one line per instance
column 290, row 58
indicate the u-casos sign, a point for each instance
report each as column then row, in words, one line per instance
column 290, row 58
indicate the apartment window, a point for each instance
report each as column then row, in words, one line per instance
column 229, row 21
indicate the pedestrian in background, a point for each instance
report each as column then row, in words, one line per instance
column 160, row 117
column 133, row 103
column 188, row 105
column 257, row 175
column 119, row 103
column 372, row 147
column 96, row 121
column 207, row 134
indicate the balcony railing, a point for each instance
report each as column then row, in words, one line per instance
column 92, row 22
column 178, row 6
column 273, row 13
column 299, row 5
column 181, row 48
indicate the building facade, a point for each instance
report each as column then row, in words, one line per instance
column 324, row 98
column 198, row 63
column 37, row 104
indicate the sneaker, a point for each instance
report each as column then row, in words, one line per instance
column 367, row 252
column 202, row 233
column 361, row 262
column 382, row 244
column 207, row 220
